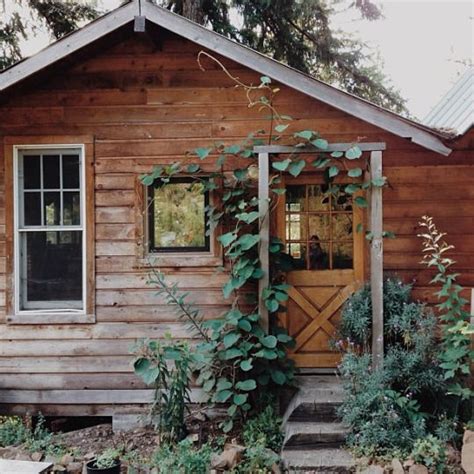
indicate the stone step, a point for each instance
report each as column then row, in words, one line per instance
column 312, row 435
column 328, row 461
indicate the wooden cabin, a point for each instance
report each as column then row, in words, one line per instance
column 84, row 118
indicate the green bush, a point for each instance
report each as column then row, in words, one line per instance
column 389, row 409
column 264, row 429
column 431, row 452
column 257, row 460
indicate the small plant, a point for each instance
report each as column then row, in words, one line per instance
column 107, row 459
column 167, row 367
column 456, row 354
column 258, row 460
column 431, row 452
column 264, row 429
column 183, row 458
column 12, row 431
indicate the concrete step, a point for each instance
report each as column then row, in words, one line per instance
column 313, row 435
column 328, row 461
column 317, row 399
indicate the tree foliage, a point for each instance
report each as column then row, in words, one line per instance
column 300, row 34
column 57, row 17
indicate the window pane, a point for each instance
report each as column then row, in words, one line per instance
column 298, row 253
column 31, row 172
column 71, row 171
column 296, row 228
column 342, row 255
column 342, row 201
column 51, row 171
column 318, row 255
column 178, row 219
column 295, row 198
column 52, row 269
column 52, row 208
column 318, row 200
column 71, row 208
column 319, row 226
column 341, row 226
column 32, row 208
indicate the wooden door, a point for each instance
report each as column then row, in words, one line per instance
column 320, row 231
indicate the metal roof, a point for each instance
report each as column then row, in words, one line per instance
column 455, row 111
column 355, row 106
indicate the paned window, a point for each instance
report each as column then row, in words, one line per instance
column 50, row 231
column 177, row 220
column 318, row 227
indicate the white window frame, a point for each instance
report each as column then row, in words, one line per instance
column 18, row 229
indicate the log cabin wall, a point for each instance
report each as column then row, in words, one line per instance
column 146, row 102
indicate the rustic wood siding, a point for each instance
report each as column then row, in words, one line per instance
column 147, row 105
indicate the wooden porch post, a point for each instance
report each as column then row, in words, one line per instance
column 263, row 204
column 376, row 260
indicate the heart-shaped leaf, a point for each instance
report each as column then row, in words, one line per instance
column 281, row 165
column 296, row 167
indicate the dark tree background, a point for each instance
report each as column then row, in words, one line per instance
column 296, row 32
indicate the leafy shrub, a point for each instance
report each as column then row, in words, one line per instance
column 12, row 431
column 264, row 429
column 108, row 458
column 431, row 452
column 167, row 367
column 183, row 458
column 390, row 409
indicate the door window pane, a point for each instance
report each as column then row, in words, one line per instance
column 318, row 199
column 341, row 226
column 298, row 253
column 295, row 198
column 318, row 254
column 342, row 255
column 52, row 267
column 319, row 226
column 296, row 227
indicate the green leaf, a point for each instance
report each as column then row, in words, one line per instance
column 272, row 305
column 267, row 354
column 230, row 339
column 354, row 172
column 147, row 180
column 361, row 201
column 246, row 385
column 222, row 396
column 232, row 353
column 281, row 165
column 321, row 162
column 232, row 410
column 248, row 217
column 265, row 80
column 141, row 366
column 333, row 171
column 209, row 385
column 305, row 134
column 280, row 128
column 278, row 377
column 320, row 143
column 223, row 384
column 296, row 167
column 227, row 239
column 379, row 182
column 240, row 399
column 227, row 425
column 353, row 153
column 232, row 149
column 337, row 154
column 246, row 365
column 202, row 153
column 352, row 188
column 279, row 190
column 193, row 168
column 241, row 174
column 245, row 325
column 247, row 241
column 269, row 341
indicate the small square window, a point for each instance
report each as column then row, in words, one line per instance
column 177, row 219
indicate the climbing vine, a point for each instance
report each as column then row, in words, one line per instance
column 239, row 357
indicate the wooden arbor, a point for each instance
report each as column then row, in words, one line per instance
column 376, row 228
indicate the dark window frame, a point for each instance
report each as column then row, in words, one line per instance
column 151, row 227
